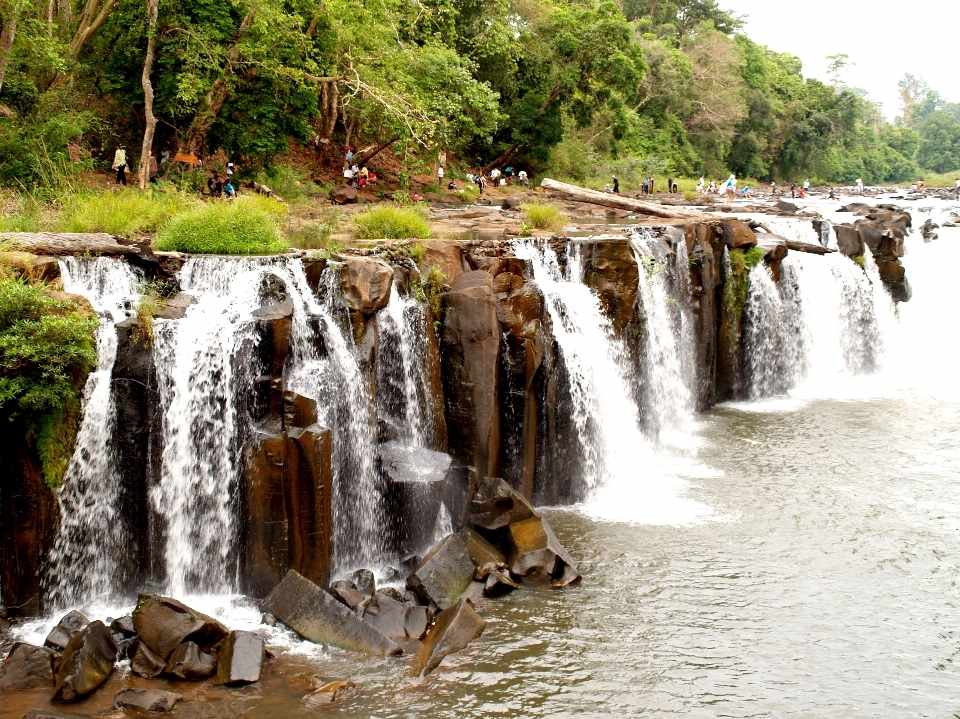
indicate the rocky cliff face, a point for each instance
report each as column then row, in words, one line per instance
column 495, row 378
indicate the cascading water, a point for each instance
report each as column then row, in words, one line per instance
column 769, row 365
column 624, row 477
column 86, row 556
column 402, row 371
column 334, row 378
column 202, row 372
column 667, row 367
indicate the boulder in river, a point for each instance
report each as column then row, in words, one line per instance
column 537, row 555
column 318, row 617
column 60, row 635
column 736, row 234
column 344, row 195
column 86, row 663
column 163, row 624
column 349, row 597
column 27, row 667
column 366, row 284
column 146, row 700
column 453, row 630
column 394, row 619
column 124, row 625
column 191, row 663
column 444, row 574
column 496, row 504
column 848, row 240
column 240, row 660
column 365, row 582
column 146, row 663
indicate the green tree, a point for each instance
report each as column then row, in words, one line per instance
column 939, row 143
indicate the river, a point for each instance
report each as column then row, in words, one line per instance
column 809, row 569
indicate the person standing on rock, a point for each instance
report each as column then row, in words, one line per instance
column 440, row 176
column 616, row 184
column 120, row 165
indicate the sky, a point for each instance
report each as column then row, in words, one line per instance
column 884, row 39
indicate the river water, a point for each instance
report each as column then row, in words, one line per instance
column 813, row 574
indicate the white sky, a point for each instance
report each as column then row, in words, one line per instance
column 885, row 38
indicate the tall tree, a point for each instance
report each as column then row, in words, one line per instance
column 146, row 151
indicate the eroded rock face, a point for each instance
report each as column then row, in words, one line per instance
column 146, row 663
column 444, row 574
column 447, row 257
column 60, row 635
column 736, row 234
column 417, row 479
column 319, row 618
column 496, row 504
column 240, row 660
column 146, row 700
column 470, row 351
column 86, row 663
column 394, row 619
column 609, row 267
column 537, row 555
column 366, row 284
column 163, row 624
column 190, row 663
column 849, row 241
column 453, row 630
column 27, row 667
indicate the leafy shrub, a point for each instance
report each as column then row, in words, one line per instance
column 127, row 213
column 543, row 215
column 388, row 222
column 240, row 227
column 468, row 193
column 47, row 349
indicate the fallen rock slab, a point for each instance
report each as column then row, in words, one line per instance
column 318, row 617
column 27, row 667
column 395, row 619
column 496, row 504
column 147, row 700
column 537, row 555
column 241, row 659
column 453, row 630
column 444, row 574
column 146, row 663
column 60, row 635
column 163, row 624
column 86, row 663
column 190, row 663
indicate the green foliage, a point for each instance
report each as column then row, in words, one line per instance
column 241, row 227
column 544, row 215
column 939, row 143
column 431, row 289
column 127, row 212
column 390, row 222
column 47, row 349
column 735, row 286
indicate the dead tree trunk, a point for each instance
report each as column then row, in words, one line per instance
column 359, row 160
column 610, row 199
column 146, row 151
column 329, row 103
column 216, row 97
column 8, row 33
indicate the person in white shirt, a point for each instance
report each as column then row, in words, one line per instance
column 702, row 183
column 522, row 176
column 440, row 175
column 806, row 185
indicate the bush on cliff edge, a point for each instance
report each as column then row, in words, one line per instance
column 47, row 349
column 241, row 227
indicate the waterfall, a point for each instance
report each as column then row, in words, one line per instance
column 402, row 381
column 202, row 368
column 325, row 366
column 668, row 337
column 86, row 557
column 768, row 364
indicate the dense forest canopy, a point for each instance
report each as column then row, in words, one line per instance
column 573, row 86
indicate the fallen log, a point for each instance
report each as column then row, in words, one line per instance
column 769, row 242
column 808, row 247
column 68, row 243
column 620, row 202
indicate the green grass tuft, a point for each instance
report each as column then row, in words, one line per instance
column 388, row 222
column 241, row 227
column 544, row 215
column 126, row 213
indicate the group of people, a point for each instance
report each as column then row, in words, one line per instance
column 120, row 164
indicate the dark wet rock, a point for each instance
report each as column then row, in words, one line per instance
column 344, row 584
column 822, row 228
column 27, row 667
column 365, row 581
column 269, row 620
column 471, row 350
column 241, row 659
column 190, row 663
column 126, row 647
column 175, row 308
column 344, row 195
column 124, row 625
column 737, row 234
column 318, row 617
column 497, row 582
column 496, row 504
column 857, row 208
column 390, row 575
column 163, row 624
column 481, row 551
column 366, row 284
column 609, row 268
column 416, row 483
column 391, row 592
column 147, row 700
column 60, row 635
column 848, row 240
column 537, row 555
column 870, row 234
column 349, row 597
column 453, row 630
column 786, row 207
column 395, row 619
column 4, row 614
column 891, row 247
column 145, row 663
column 86, row 663
column 444, row 573
column 927, row 230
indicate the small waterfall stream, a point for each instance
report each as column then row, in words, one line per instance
column 86, row 556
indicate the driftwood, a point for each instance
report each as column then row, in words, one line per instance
column 68, row 243
column 617, row 201
column 770, row 241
